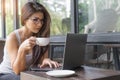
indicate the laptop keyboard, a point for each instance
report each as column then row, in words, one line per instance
column 35, row 68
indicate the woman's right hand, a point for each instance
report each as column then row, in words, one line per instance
column 28, row 44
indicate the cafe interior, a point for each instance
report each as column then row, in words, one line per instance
column 98, row 19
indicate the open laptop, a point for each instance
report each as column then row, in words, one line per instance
column 74, row 52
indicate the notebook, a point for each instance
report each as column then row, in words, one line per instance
column 74, row 52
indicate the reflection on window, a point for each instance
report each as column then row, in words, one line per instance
column 9, row 16
column 60, row 13
column 102, row 16
column 0, row 22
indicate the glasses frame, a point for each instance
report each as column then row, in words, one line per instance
column 37, row 20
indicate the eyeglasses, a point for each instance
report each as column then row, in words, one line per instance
column 37, row 20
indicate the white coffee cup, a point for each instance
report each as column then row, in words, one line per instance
column 42, row 41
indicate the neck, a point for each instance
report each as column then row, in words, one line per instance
column 25, row 33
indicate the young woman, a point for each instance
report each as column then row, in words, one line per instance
column 20, row 48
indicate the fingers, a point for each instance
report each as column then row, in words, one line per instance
column 50, row 63
column 55, row 64
column 31, row 42
column 44, row 65
column 28, row 44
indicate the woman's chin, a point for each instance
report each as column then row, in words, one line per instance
column 35, row 31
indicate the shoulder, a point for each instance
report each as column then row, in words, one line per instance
column 11, row 38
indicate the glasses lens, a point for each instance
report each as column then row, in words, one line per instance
column 37, row 20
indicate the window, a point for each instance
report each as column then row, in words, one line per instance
column 93, row 15
column 60, row 14
column 8, row 20
column 61, row 24
column 0, row 21
column 97, row 16
column 9, row 16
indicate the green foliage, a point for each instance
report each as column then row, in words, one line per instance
column 60, row 25
column 9, row 24
column 83, row 16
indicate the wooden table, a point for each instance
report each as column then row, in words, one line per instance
column 85, row 73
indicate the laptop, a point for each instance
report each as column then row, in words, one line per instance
column 74, row 52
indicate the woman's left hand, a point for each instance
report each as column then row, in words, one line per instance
column 50, row 63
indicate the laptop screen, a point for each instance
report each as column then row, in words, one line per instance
column 74, row 51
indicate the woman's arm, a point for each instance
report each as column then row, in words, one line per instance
column 18, row 53
column 17, row 58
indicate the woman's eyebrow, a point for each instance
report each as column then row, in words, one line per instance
column 38, row 18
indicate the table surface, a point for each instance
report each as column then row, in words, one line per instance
column 84, row 73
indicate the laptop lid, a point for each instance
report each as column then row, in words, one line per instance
column 74, row 51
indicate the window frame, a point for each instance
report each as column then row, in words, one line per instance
column 74, row 15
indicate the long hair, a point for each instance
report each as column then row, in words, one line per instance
column 32, row 7
column 27, row 11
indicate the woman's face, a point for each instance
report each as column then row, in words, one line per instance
column 35, row 22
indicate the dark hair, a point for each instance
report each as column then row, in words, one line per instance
column 29, row 9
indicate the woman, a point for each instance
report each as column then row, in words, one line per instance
column 20, row 47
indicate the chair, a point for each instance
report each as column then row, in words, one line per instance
column 104, row 22
column 94, row 52
column 99, row 55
